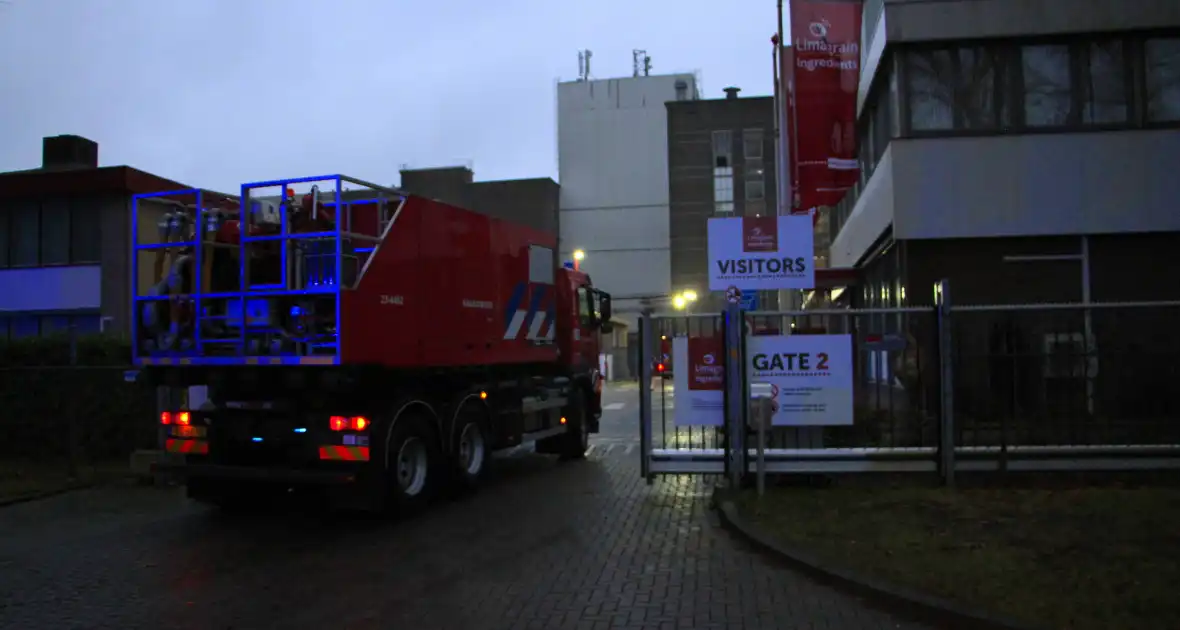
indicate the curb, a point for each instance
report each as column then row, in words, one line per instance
column 897, row 599
column 37, row 496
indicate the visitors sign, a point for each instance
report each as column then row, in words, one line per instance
column 761, row 253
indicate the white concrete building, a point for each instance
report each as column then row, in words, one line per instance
column 613, row 170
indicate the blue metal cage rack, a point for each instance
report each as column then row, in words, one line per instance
column 312, row 264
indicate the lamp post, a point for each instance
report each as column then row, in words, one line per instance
column 579, row 255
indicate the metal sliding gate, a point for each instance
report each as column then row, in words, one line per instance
column 1045, row 387
column 905, row 436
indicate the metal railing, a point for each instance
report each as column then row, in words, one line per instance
column 952, row 388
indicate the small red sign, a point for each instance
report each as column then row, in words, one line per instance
column 760, row 234
column 706, row 363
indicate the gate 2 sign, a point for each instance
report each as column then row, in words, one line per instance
column 810, row 375
column 761, row 253
column 698, row 381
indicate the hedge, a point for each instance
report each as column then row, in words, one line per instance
column 54, row 405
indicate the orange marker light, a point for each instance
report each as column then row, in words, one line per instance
column 359, row 423
column 563, row 420
column 182, row 418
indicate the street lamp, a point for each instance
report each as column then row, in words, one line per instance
column 678, row 302
column 690, row 295
column 579, row 255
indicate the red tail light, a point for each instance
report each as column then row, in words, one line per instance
column 659, row 367
column 355, row 423
column 181, row 418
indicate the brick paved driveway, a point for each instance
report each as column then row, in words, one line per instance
column 546, row 546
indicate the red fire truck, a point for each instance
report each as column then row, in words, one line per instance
column 379, row 346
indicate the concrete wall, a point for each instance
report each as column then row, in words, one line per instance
column 1028, row 185
column 613, row 166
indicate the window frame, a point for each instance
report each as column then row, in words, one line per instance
column 73, row 208
column 760, row 142
column 1008, row 51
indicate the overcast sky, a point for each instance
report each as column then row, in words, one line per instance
column 214, row 93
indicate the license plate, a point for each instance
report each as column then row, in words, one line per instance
column 188, row 432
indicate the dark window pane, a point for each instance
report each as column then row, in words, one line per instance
column 4, row 212
column 930, row 90
column 1104, row 85
column 4, row 328
column 55, row 232
column 87, row 324
column 85, row 233
column 1163, row 79
column 25, row 326
column 1047, row 96
column 23, row 235
column 976, row 95
column 882, row 126
column 55, row 324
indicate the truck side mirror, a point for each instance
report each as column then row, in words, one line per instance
column 604, row 307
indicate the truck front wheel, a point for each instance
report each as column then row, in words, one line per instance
column 412, row 463
column 576, row 441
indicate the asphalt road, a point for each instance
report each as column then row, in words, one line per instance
column 546, row 545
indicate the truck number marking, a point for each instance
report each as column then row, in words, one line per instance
column 478, row 304
column 394, row 300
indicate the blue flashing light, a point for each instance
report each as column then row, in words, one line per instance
column 255, row 439
column 569, row 264
column 301, row 430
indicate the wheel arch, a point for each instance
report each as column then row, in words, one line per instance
column 405, row 407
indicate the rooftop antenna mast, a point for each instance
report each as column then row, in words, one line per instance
column 584, row 64
column 640, row 62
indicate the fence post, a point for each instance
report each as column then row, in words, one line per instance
column 645, row 377
column 946, row 383
column 736, row 400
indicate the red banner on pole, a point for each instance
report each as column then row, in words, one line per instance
column 825, row 42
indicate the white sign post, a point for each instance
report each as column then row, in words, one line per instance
column 761, row 253
column 810, row 377
column 698, row 380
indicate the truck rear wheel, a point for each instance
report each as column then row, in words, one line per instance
column 412, row 463
column 470, row 451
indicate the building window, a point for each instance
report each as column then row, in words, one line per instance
column 930, row 90
column 85, row 232
column 32, row 325
column 55, row 232
column 722, row 149
column 955, row 88
column 723, row 189
column 752, row 145
column 1048, row 95
column 755, row 185
column 24, row 236
column 1104, row 83
column 1162, row 61
column 4, row 237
